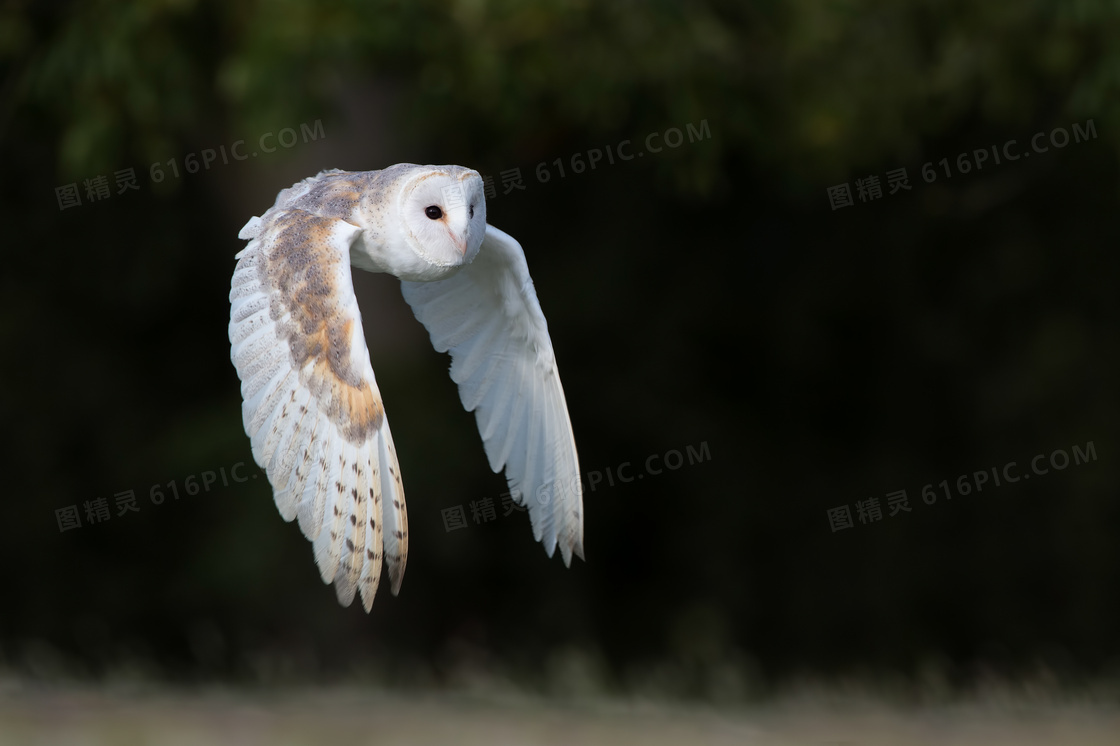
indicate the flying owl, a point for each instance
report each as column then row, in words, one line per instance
column 312, row 408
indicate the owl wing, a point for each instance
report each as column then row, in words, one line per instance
column 487, row 315
column 311, row 405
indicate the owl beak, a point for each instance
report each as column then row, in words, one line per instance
column 460, row 242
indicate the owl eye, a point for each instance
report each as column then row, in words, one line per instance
column 472, row 211
column 433, row 212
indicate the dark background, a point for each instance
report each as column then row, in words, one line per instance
column 704, row 296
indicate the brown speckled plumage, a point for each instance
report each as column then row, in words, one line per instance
column 292, row 293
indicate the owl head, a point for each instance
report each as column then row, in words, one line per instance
column 431, row 219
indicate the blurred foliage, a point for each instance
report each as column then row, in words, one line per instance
column 706, row 295
column 831, row 85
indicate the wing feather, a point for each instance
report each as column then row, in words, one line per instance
column 261, row 377
column 311, row 519
column 371, row 568
column 332, row 494
column 488, row 317
column 494, row 417
column 311, row 406
column 487, row 347
column 354, row 529
column 287, row 456
column 394, row 516
column 247, row 305
column 278, row 427
column 530, row 459
column 515, row 431
column 250, row 330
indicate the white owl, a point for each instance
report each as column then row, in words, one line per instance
column 311, row 405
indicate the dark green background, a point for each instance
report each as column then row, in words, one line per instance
column 703, row 294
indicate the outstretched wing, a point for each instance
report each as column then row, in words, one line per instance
column 311, row 405
column 487, row 315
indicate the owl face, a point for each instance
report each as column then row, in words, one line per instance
column 443, row 215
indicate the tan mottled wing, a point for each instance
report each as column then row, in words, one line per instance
column 488, row 317
column 311, row 405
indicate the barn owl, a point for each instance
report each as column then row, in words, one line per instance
column 312, row 409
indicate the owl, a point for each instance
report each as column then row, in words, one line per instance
column 311, row 406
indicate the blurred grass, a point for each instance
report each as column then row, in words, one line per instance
column 32, row 715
